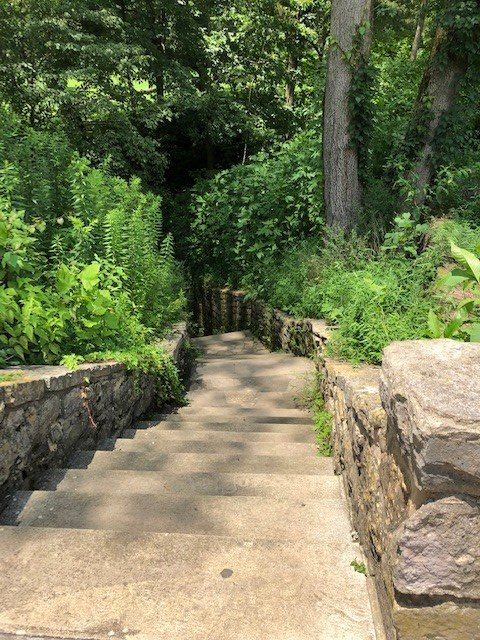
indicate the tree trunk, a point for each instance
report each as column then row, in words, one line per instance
column 417, row 40
column 342, row 191
column 290, row 86
column 437, row 93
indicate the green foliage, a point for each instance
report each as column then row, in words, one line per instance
column 322, row 420
column 369, row 298
column 246, row 216
column 359, row 567
column 406, row 235
column 465, row 323
column 310, row 397
column 149, row 359
column 84, row 266
column 10, row 377
column 164, row 83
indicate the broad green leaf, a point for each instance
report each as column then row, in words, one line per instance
column 452, row 279
column 469, row 304
column 468, row 260
column 19, row 351
column 434, row 325
column 452, row 327
column 89, row 276
column 65, row 280
column 474, row 332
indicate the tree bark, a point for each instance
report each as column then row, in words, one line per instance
column 417, row 40
column 438, row 92
column 342, row 190
column 291, row 83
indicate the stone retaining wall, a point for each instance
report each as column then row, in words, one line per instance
column 406, row 441
column 48, row 412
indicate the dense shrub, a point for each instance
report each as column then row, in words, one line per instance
column 84, row 265
column 260, row 227
column 246, row 216
column 371, row 297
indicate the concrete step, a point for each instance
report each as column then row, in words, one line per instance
column 233, row 351
column 258, row 383
column 261, row 364
column 172, row 423
column 149, row 442
column 229, row 344
column 288, row 486
column 237, row 516
column 209, row 435
column 235, row 414
column 242, row 398
column 224, row 338
column 202, row 462
column 100, row 584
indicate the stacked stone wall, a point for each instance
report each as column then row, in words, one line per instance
column 46, row 413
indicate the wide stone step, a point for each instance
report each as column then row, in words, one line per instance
column 232, row 344
column 71, row 583
column 149, row 442
column 237, row 516
column 247, row 365
column 258, row 383
column 230, row 414
column 171, row 423
column 289, row 486
column 204, row 462
column 231, row 338
column 243, row 399
column 233, row 351
column 158, row 432
column 228, row 337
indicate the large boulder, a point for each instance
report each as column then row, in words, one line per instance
column 430, row 390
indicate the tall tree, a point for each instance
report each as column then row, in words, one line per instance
column 455, row 49
column 350, row 30
column 417, row 40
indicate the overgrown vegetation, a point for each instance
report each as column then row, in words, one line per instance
column 85, row 271
column 258, row 228
column 261, row 226
column 311, row 398
column 218, row 108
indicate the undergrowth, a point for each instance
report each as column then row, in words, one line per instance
column 147, row 359
column 86, row 272
column 310, row 397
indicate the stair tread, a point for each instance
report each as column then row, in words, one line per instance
column 149, row 442
column 238, row 516
column 211, row 462
column 207, row 435
column 247, row 484
column 234, row 426
column 178, row 587
column 233, row 414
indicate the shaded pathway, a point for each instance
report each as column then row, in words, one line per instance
column 218, row 522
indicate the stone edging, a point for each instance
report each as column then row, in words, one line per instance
column 50, row 411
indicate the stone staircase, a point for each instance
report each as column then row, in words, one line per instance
column 216, row 522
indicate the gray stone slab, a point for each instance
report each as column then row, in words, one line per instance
column 431, row 392
column 209, row 462
column 92, row 584
column 289, row 486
